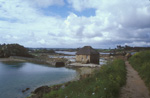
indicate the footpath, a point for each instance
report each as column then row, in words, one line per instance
column 135, row 86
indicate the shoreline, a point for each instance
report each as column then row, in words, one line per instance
column 82, row 72
column 27, row 59
column 10, row 59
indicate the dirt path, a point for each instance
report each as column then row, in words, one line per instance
column 135, row 86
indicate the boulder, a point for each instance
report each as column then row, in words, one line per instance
column 42, row 89
column 25, row 90
column 59, row 64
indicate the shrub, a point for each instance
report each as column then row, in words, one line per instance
column 7, row 50
column 105, row 83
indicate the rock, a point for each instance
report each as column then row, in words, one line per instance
column 25, row 90
column 42, row 89
column 111, row 57
column 59, row 64
column 38, row 93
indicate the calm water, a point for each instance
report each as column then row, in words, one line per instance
column 70, row 58
column 66, row 52
column 16, row 76
column 103, row 53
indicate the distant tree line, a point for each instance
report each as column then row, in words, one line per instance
column 7, row 50
column 126, row 47
column 41, row 50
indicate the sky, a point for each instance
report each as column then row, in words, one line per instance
column 75, row 23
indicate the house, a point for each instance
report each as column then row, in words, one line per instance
column 87, row 55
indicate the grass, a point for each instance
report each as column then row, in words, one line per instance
column 105, row 83
column 141, row 62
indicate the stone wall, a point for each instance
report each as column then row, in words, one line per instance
column 54, row 62
column 83, row 58
column 88, row 59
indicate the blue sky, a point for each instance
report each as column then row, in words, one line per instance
column 65, row 10
column 75, row 23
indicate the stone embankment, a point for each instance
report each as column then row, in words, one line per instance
column 51, row 62
column 82, row 65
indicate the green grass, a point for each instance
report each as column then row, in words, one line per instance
column 105, row 83
column 141, row 62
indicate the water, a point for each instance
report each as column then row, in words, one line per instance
column 132, row 53
column 70, row 58
column 104, row 53
column 16, row 76
column 66, row 52
column 74, row 53
column 102, row 61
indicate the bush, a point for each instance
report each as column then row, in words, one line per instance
column 7, row 50
column 105, row 83
column 141, row 62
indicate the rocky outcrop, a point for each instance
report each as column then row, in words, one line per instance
column 38, row 93
column 25, row 90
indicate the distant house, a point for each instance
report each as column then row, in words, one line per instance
column 87, row 55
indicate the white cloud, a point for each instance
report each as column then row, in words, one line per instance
column 46, row 3
column 30, row 23
column 42, row 41
column 115, row 22
column 138, row 44
column 17, row 10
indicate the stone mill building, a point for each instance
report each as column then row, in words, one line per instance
column 87, row 55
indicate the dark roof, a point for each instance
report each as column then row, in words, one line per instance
column 87, row 50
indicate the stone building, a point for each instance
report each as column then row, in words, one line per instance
column 87, row 55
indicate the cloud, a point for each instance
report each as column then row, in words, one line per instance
column 47, row 3
column 115, row 22
column 16, row 11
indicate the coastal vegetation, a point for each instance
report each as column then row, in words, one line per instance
column 7, row 50
column 141, row 62
column 41, row 50
column 104, row 83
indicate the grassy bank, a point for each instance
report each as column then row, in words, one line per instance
column 105, row 83
column 141, row 62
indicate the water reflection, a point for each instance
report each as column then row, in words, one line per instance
column 14, row 64
column 66, row 52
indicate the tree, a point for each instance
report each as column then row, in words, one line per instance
column 7, row 50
